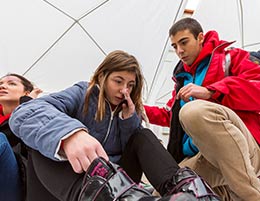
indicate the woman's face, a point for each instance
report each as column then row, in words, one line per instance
column 11, row 89
column 117, row 84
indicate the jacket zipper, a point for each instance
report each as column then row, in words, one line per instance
column 109, row 125
column 213, row 52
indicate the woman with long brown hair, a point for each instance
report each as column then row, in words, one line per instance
column 93, row 127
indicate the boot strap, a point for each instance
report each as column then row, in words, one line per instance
column 118, row 185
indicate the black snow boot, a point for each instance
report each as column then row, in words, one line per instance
column 105, row 181
column 186, row 180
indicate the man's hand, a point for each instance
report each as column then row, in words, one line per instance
column 81, row 149
column 195, row 91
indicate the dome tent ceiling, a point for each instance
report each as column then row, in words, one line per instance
column 233, row 19
column 57, row 43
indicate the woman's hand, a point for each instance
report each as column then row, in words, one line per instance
column 128, row 108
column 81, row 149
column 35, row 92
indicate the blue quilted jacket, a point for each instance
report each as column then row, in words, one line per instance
column 42, row 122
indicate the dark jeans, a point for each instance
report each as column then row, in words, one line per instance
column 10, row 184
column 51, row 180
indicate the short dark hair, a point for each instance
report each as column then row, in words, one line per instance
column 186, row 23
column 28, row 86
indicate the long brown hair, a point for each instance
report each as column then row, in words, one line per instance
column 115, row 61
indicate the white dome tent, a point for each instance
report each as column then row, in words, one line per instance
column 233, row 19
column 57, row 43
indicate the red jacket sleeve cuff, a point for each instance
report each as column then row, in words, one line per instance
column 217, row 96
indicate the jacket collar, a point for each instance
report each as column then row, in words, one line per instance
column 211, row 42
column 3, row 117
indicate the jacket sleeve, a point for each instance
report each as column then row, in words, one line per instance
column 128, row 127
column 42, row 122
column 240, row 90
column 160, row 116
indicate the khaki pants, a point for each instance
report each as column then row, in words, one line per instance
column 229, row 158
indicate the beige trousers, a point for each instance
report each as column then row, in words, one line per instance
column 229, row 157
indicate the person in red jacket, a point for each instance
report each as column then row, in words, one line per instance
column 213, row 114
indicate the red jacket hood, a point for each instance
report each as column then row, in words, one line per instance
column 211, row 41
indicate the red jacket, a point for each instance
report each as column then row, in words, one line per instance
column 240, row 91
column 4, row 128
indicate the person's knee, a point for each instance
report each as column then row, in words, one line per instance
column 3, row 138
column 142, row 135
column 145, row 132
column 192, row 112
column 7, row 157
column 3, row 143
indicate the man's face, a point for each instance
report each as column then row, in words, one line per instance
column 186, row 46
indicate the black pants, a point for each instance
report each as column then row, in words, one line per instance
column 51, row 180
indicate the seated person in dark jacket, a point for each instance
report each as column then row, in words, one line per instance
column 13, row 153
